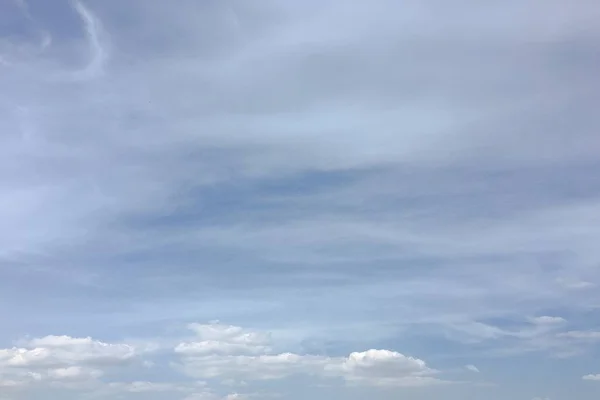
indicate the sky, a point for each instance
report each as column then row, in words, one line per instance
column 233, row 199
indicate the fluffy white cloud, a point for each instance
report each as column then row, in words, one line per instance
column 235, row 353
column 221, row 352
column 233, row 334
column 61, row 359
column 216, row 338
column 382, row 368
column 59, row 351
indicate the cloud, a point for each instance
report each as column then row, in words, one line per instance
column 591, row 377
column 575, row 284
column 221, row 359
column 544, row 335
column 62, row 359
column 472, row 368
column 66, row 349
column 213, row 396
column 45, row 37
column 97, row 43
column 410, row 175
column 224, row 339
column 7, row 383
column 581, row 335
column 383, row 368
column 145, row 386
column 547, row 320
column 235, row 355
column 74, row 373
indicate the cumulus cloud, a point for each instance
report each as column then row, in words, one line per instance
column 224, row 339
column 62, row 359
column 383, row 368
column 61, row 350
column 220, row 358
column 228, row 354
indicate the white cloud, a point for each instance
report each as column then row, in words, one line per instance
column 62, row 359
column 443, row 174
column 74, row 373
column 591, row 377
column 382, row 368
column 145, row 386
column 97, row 43
column 220, row 359
column 235, row 353
column 547, row 320
column 66, row 350
column 207, row 395
column 259, row 367
column 541, row 334
column 472, row 368
column 234, row 396
column 223, row 339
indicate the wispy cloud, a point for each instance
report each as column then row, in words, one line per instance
column 97, row 42
column 399, row 176
column 472, row 368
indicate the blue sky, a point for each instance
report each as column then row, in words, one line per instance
column 229, row 199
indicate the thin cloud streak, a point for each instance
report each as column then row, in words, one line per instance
column 97, row 41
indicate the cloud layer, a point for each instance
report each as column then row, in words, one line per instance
column 217, row 362
column 221, row 356
column 231, row 353
column 332, row 176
